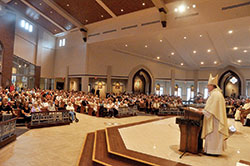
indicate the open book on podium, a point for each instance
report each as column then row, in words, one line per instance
column 190, row 128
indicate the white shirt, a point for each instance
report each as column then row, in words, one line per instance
column 70, row 108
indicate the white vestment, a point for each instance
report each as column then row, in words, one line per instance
column 214, row 142
column 215, row 127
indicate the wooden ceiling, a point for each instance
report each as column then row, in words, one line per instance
column 52, row 14
column 84, row 11
column 120, row 7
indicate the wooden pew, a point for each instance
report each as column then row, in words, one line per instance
column 7, row 131
column 49, row 118
column 90, row 110
column 98, row 111
column 20, row 120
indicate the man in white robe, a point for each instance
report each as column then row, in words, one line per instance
column 245, row 107
column 215, row 126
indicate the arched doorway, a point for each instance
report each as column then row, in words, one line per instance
column 141, row 82
column 230, row 83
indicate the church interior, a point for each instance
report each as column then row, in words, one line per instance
column 124, row 82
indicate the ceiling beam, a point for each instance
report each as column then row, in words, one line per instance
column 53, row 22
column 160, row 5
column 64, row 13
column 105, row 7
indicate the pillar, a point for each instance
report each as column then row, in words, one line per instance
column 7, row 37
column 66, row 81
column 172, row 81
column 196, row 74
column 85, row 83
column 109, row 72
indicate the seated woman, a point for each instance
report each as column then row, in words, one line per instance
column 156, row 106
column 6, row 109
column 44, row 104
column 78, row 104
column 25, row 112
column 35, row 108
column 109, row 107
column 62, row 105
column 116, row 108
column 51, row 106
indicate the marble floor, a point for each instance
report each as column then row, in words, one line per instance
column 161, row 139
column 57, row 146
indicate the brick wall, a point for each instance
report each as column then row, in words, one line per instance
column 7, row 37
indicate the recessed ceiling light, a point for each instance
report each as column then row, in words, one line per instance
column 122, row 10
column 245, row 51
column 51, row 12
column 239, row 61
column 202, row 63
column 40, row 4
column 200, row 35
column 185, row 37
column 182, row 8
column 158, row 57
column 172, row 53
column 160, row 40
column 176, row 10
column 101, row 16
column 215, row 62
column 68, row 5
column 15, row 3
column 194, row 6
column 188, row 7
column 230, row 31
column 55, row 30
column 182, row 64
column 194, row 51
column 86, row 20
column 235, row 48
column 143, row 4
column 146, row 46
column 19, row 66
column 126, row 45
column 209, row 50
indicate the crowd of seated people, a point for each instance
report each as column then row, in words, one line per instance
column 23, row 103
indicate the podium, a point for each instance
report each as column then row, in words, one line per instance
column 190, row 128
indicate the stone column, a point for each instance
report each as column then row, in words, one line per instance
column 66, row 81
column 172, row 81
column 85, row 83
column 196, row 73
column 109, row 72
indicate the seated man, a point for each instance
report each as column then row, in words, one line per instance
column 245, row 107
column 71, row 110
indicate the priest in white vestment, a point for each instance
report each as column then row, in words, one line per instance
column 215, row 126
column 245, row 107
